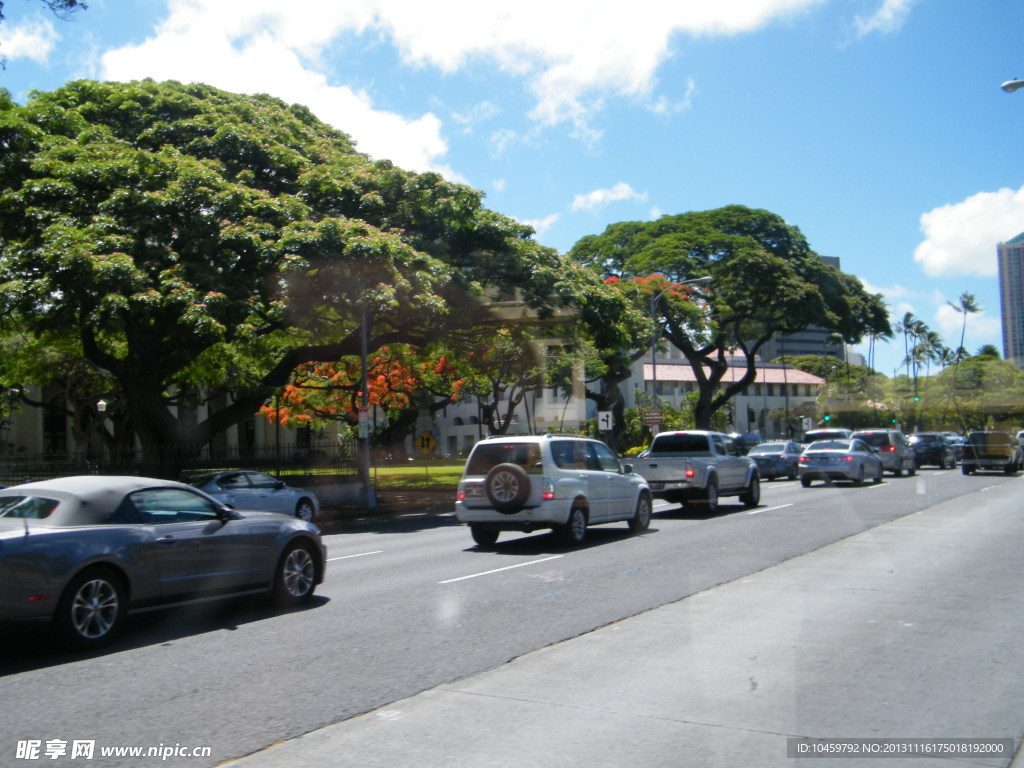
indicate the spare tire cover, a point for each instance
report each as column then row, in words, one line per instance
column 507, row 487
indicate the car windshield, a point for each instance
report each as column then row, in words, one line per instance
column 925, row 438
column 28, row 507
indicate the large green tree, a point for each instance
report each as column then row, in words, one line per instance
column 766, row 280
column 182, row 238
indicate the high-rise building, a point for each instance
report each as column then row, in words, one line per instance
column 1011, row 298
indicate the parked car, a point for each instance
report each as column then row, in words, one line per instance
column 533, row 482
column 828, row 460
column 244, row 489
column 82, row 552
column 933, row 449
column 781, row 459
column 893, row 449
column 998, row 451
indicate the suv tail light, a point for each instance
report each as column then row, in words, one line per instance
column 547, row 490
column 889, row 448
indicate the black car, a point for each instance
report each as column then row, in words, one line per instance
column 933, row 449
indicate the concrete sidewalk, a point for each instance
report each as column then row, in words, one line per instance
column 908, row 630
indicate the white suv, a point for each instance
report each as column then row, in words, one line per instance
column 565, row 482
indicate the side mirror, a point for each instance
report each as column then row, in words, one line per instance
column 627, row 469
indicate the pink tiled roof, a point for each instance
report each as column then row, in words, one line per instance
column 767, row 375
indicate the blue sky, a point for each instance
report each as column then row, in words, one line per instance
column 876, row 126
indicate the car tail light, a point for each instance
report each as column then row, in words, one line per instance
column 547, row 490
column 461, row 494
column 846, row 458
column 889, row 448
column 690, row 472
column 805, row 460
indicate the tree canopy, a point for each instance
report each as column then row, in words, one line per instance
column 766, row 280
column 179, row 237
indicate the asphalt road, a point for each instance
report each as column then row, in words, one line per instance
column 409, row 603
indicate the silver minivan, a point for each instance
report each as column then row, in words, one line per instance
column 893, row 448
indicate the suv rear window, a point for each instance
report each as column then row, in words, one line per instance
column 874, row 439
column 487, row 456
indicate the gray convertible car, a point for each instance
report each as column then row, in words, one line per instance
column 81, row 552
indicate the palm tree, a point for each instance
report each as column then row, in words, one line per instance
column 968, row 306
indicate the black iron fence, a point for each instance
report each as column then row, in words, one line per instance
column 290, row 464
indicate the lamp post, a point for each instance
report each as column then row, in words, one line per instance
column 654, row 343
column 1012, row 85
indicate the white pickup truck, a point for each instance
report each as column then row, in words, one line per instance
column 698, row 467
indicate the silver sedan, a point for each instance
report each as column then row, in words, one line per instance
column 79, row 553
column 245, row 489
column 828, row 460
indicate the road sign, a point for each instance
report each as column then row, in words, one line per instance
column 654, row 417
column 425, row 442
column 605, row 421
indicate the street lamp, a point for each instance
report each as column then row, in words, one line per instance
column 654, row 343
column 1012, row 85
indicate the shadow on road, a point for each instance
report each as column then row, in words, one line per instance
column 36, row 649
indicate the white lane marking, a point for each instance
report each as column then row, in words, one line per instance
column 768, row 509
column 347, row 557
column 499, row 570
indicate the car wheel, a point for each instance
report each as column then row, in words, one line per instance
column 878, row 475
column 913, row 468
column 710, row 498
column 805, row 482
column 508, row 487
column 859, row 480
column 965, row 469
column 641, row 519
column 575, row 529
column 296, row 576
column 305, row 510
column 751, row 497
column 92, row 609
column 484, row 537
column 792, row 474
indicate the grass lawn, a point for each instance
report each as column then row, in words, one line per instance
column 418, row 476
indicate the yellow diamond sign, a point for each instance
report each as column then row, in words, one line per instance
column 425, row 442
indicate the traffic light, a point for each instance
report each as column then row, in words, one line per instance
column 917, row 398
column 827, row 417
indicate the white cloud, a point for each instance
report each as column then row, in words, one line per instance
column 572, row 54
column 599, row 198
column 540, row 226
column 203, row 41
column 478, row 113
column 960, row 238
column 29, row 40
column 889, row 17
